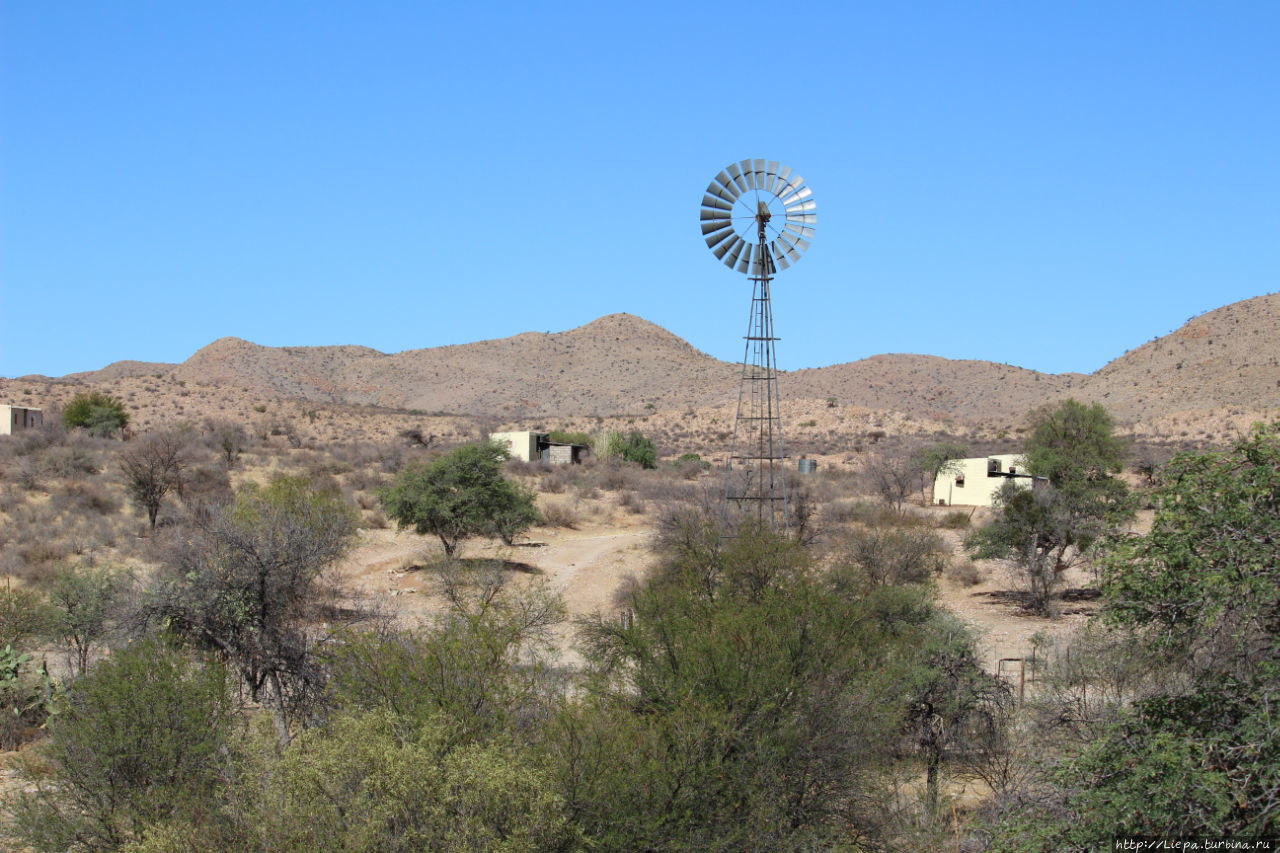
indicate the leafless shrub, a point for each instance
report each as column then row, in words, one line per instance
column 957, row 520
column 965, row 573
column 560, row 514
column 79, row 496
column 893, row 555
column 617, row 478
column 367, row 479
column 631, row 502
column 375, row 519
column 69, row 460
column 891, row 478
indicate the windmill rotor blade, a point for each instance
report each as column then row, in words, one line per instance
column 789, row 249
column 800, row 195
column 716, row 237
column 727, row 246
column 735, row 172
column 744, row 263
column 780, row 258
column 716, row 225
column 802, row 244
column 806, row 218
column 712, row 213
column 715, row 190
column 788, row 188
column 709, row 200
column 731, row 259
column 757, row 166
column 773, row 175
column 727, row 188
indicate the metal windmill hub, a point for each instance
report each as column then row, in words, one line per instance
column 757, row 217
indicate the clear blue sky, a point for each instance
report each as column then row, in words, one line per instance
column 1043, row 184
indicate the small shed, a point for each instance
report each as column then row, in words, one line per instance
column 530, row 446
column 17, row 418
column 975, row 481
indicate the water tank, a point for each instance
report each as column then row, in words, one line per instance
column 808, row 466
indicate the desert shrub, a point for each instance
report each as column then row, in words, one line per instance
column 553, row 483
column 631, row 502
column 25, row 697
column 375, row 519
column 892, row 556
column 617, row 478
column 868, row 514
column 69, row 460
column 98, row 413
column 957, row 520
column 136, row 743
column 965, row 573
column 78, row 496
column 367, row 479
column 560, row 514
column 206, row 486
column 24, row 615
column 691, row 465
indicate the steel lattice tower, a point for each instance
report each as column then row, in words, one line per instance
column 757, row 217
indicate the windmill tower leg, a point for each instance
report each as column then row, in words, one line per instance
column 755, row 483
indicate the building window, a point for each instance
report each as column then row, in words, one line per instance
column 960, row 481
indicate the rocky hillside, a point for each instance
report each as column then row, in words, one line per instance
column 1228, row 358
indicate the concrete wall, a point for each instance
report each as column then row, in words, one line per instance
column 17, row 418
column 970, row 485
column 523, row 445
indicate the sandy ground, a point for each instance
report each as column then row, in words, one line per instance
column 587, row 566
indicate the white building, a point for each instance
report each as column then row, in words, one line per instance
column 17, row 418
column 975, row 481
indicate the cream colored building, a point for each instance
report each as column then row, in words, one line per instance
column 521, row 445
column 17, row 418
column 975, row 481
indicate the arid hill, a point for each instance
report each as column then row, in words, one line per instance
column 1228, row 358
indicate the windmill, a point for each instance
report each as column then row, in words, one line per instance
column 757, row 217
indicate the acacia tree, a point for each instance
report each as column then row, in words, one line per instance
column 460, row 495
column 1040, row 531
column 152, row 467
column 250, row 583
column 936, row 459
column 892, row 478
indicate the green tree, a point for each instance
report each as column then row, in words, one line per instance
column 250, row 582
column 1040, row 531
column 460, row 495
column 1072, row 443
column 935, row 460
column 639, row 450
column 101, row 414
column 136, row 743
column 1200, row 592
column 367, row 782
column 745, row 701
column 86, row 609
